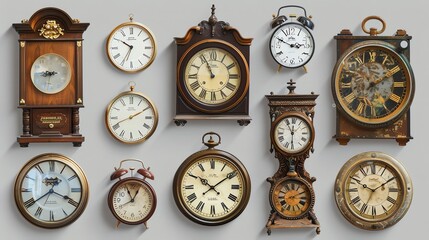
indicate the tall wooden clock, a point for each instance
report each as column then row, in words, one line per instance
column 212, row 73
column 373, row 85
column 292, row 134
column 50, row 77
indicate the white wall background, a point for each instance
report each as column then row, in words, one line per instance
column 170, row 144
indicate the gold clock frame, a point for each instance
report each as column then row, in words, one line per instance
column 70, row 163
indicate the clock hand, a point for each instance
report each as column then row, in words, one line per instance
column 299, row 193
column 363, row 185
column 382, row 185
column 205, row 182
column 126, row 57
column 44, row 195
column 130, row 46
column 228, row 176
column 135, row 114
column 209, row 67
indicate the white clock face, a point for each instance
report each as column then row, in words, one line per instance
column 292, row 45
column 133, row 201
column 131, row 47
column 131, row 118
column 292, row 134
column 50, row 73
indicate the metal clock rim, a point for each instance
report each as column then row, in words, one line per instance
column 155, row 111
column 312, row 40
column 151, row 37
column 195, row 157
column 400, row 111
column 70, row 163
column 122, row 182
column 406, row 185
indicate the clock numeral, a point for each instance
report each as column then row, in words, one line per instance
column 51, row 166
column 147, row 47
column 73, row 202
column 203, row 93
column 286, row 145
column 122, row 133
column 193, row 76
column 393, row 190
column 195, row 85
column 131, row 30
column 230, row 66
column 294, row 120
column 146, row 126
column 148, row 117
column 122, row 32
column 117, row 56
column 131, row 65
column 38, row 212
column 384, row 209
column 51, row 216
column 114, row 118
column 230, row 86
column 144, row 40
column 131, row 135
column 346, row 85
column 195, row 66
column 360, row 108
column 224, row 207
column 235, row 186
column 71, row 178
column 115, row 127
column 392, row 71
column 303, row 139
column 212, row 164
column 30, row 202
column 391, row 200
column 200, row 206
column 233, row 76
column 223, row 58
column 398, row 84
column 122, row 101
column 203, row 59
column 147, row 56
column 131, row 99
column 362, row 171
column 222, row 94
column 373, row 211
column 212, row 210
column 355, row 200
column 191, row 197
column 352, row 190
column 213, row 96
column 372, row 166
column 223, row 167
column 232, row 197
column 26, row 189
column 38, row 168
column 363, row 208
column 395, row 98
column 62, row 169
column 372, row 56
column 189, row 187
column 201, row 167
column 213, row 55
column 359, row 60
column 65, row 214
column 350, row 98
column 76, row 190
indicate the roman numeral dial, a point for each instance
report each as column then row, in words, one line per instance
column 52, row 190
column 131, row 47
column 131, row 117
column 373, row 84
column 212, row 76
column 211, row 189
column 292, row 133
column 292, row 197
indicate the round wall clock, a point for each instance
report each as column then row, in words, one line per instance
column 131, row 47
column 211, row 187
column 213, row 76
column 373, row 191
column 292, row 44
column 132, row 200
column 131, row 117
column 373, row 85
column 292, row 133
column 51, row 191
column 50, row 73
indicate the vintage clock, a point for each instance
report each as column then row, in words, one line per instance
column 292, row 44
column 50, row 77
column 131, row 117
column 373, row 85
column 51, row 191
column 291, row 194
column 132, row 200
column 212, row 73
column 373, row 191
column 211, row 187
column 131, row 46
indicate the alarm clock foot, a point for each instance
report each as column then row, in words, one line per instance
column 180, row 122
column 243, row 122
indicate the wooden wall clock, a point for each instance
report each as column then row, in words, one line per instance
column 373, row 191
column 132, row 200
column 373, row 85
column 211, row 187
column 212, row 73
column 292, row 135
column 51, row 190
column 292, row 44
column 50, row 77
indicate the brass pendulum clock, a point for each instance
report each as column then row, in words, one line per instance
column 292, row 133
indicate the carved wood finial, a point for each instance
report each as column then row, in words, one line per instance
column 213, row 18
column 291, row 86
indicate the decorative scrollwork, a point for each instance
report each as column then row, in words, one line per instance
column 51, row 30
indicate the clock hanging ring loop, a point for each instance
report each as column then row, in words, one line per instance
column 132, row 85
column 211, row 142
column 373, row 31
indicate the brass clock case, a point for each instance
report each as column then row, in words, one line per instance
column 372, row 84
column 55, row 170
column 145, row 214
column 373, row 191
column 218, row 106
column 311, row 133
column 206, row 202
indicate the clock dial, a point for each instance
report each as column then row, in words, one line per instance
column 132, row 201
column 292, row 197
column 373, row 191
column 373, row 84
column 292, row 134
column 292, row 45
column 131, row 117
column 212, row 76
column 51, row 191
column 131, row 47
column 50, row 73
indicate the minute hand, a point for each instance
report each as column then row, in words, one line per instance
column 228, row 176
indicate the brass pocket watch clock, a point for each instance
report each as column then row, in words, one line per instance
column 292, row 44
column 212, row 73
column 131, row 46
column 131, row 117
column 132, row 200
column 373, row 85
column 211, row 187
column 51, row 191
column 373, row 191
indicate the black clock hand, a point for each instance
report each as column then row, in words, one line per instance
column 44, row 195
column 363, row 185
column 209, row 67
column 228, row 176
column 130, row 46
column 382, row 185
column 205, row 182
column 48, row 73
